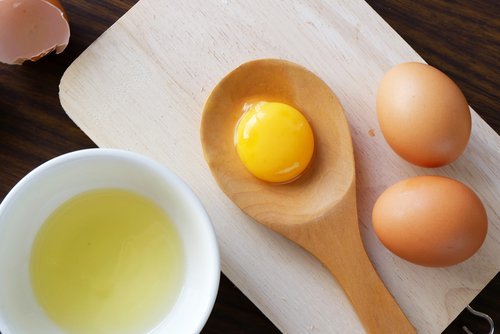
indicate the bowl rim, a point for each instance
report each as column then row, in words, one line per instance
column 212, row 277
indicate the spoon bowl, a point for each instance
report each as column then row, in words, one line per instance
column 332, row 168
column 317, row 210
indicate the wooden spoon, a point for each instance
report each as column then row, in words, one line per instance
column 318, row 210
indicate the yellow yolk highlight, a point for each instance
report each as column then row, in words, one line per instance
column 274, row 141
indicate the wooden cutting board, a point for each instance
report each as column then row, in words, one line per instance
column 142, row 85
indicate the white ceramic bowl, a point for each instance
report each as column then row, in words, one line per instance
column 28, row 204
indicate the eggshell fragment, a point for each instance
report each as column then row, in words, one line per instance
column 432, row 221
column 423, row 114
column 31, row 29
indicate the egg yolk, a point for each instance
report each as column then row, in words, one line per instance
column 274, row 141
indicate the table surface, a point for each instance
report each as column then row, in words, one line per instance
column 462, row 38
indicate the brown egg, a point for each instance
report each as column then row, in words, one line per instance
column 423, row 115
column 31, row 29
column 432, row 221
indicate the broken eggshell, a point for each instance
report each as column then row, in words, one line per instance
column 31, row 29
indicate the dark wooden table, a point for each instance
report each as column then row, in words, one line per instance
column 462, row 38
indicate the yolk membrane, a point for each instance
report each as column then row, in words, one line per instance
column 274, row 141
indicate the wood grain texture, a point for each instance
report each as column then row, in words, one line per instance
column 141, row 86
column 459, row 37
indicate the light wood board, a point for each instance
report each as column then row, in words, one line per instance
column 142, row 85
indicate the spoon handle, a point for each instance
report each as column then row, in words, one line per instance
column 336, row 242
column 375, row 306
